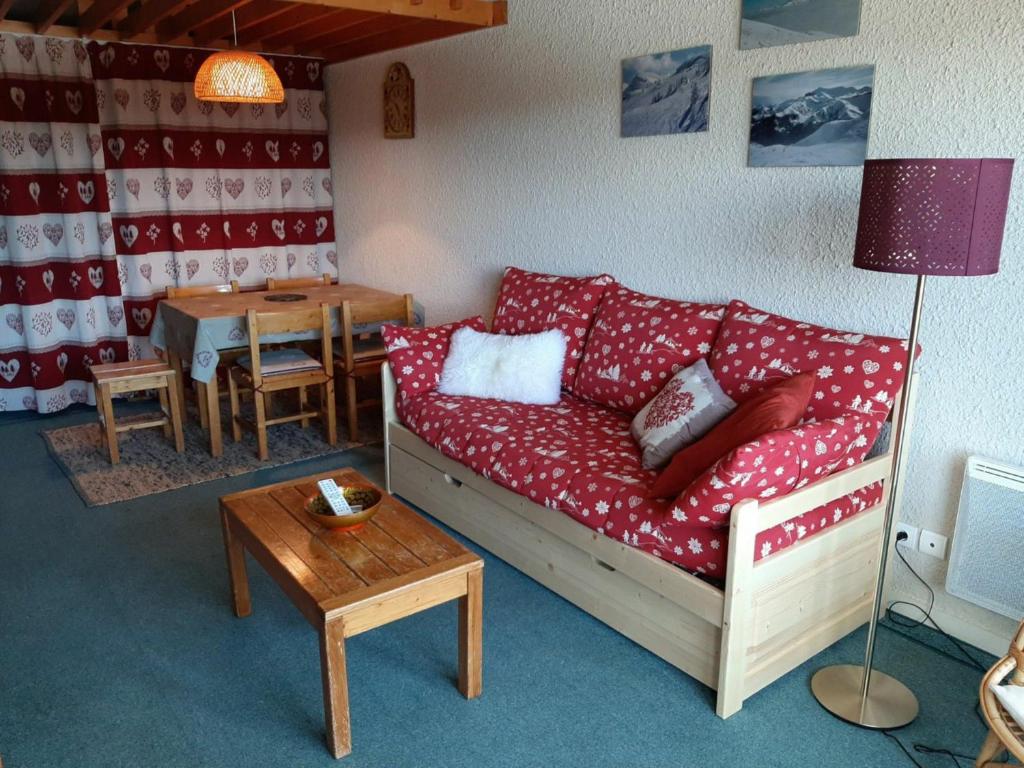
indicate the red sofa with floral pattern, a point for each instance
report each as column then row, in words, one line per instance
column 578, row 457
column 763, row 560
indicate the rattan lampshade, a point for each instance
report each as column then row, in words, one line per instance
column 238, row 76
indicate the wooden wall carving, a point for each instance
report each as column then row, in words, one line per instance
column 399, row 103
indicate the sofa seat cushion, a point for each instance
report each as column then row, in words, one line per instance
column 638, row 343
column 531, row 302
column 576, row 457
column 579, row 458
column 703, row 550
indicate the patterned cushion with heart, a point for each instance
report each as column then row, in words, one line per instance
column 685, row 409
column 531, row 302
column 855, row 371
column 417, row 355
column 639, row 342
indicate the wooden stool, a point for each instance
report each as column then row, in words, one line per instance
column 135, row 376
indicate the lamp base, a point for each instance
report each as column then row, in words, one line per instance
column 890, row 703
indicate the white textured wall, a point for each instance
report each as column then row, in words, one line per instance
column 517, row 160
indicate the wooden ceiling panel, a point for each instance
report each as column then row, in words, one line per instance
column 299, row 16
column 99, row 13
column 410, row 34
column 49, row 12
column 148, row 15
column 181, row 24
column 255, row 12
column 338, row 30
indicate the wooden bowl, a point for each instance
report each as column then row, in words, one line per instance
column 352, row 492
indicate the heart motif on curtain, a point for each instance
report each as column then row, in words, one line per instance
column 40, row 142
column 74, row 100
column 116, row 147
column 66, row 317
column 9, row 369
column 53, row 232
column 86, row 191
column 129, row 233
column 96, row 276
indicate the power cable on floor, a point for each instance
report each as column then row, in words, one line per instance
column 966, row 659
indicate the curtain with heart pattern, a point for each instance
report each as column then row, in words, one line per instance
column 60, row 299
column 206, row 193
column 115, row 183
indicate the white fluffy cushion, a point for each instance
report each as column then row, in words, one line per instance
column 520, row 369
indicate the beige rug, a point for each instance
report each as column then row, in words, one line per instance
column 149, row 463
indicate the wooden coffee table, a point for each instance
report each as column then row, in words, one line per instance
column 345, row 583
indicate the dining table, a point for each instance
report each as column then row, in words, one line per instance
column 200, row 329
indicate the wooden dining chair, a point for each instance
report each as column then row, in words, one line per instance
column 227, row 356
column 276, row 284
column 361, row 357
column 1005, row 734
column 264, row 371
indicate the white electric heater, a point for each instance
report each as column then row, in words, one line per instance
column 986, row 566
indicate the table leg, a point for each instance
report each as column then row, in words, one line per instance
column 335, row 681
column 179, row 377
column 236, row 569
column 208, row 392
column 471, row 625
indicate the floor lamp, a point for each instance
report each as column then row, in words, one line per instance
column 917, row 217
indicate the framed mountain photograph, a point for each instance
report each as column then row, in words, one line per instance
column 811, row 118
column 765, row 23
column 665, row 93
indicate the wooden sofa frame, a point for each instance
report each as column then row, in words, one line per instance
column 771, row 617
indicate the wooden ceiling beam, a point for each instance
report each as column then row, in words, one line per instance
column 299, row 16
column 196, row 15
column 411, row 34
column 148, row 15
column 473, row 12
column 99, row 13
column 49, row 13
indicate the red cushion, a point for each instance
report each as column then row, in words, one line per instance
column 779, row 407
column 856, row 372
column 530, row 302
column 704, row 550
column 773, row 465
column 639, row 342
column 417, row 355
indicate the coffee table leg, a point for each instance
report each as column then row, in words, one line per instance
column 236, row 568
column 335, row 680
column 471, row 625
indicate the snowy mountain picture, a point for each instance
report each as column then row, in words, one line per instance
column 781, row 22
column 811, row 118
column 665, row 93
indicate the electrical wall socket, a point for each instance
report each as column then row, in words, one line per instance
column 934, row 544
column 913, row 535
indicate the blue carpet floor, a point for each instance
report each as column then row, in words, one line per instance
column 118, row 648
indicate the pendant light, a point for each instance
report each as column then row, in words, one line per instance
column 238, row 76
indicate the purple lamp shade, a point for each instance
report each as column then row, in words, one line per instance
column 933, row 217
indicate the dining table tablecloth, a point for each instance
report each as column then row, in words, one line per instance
column 198, row 329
